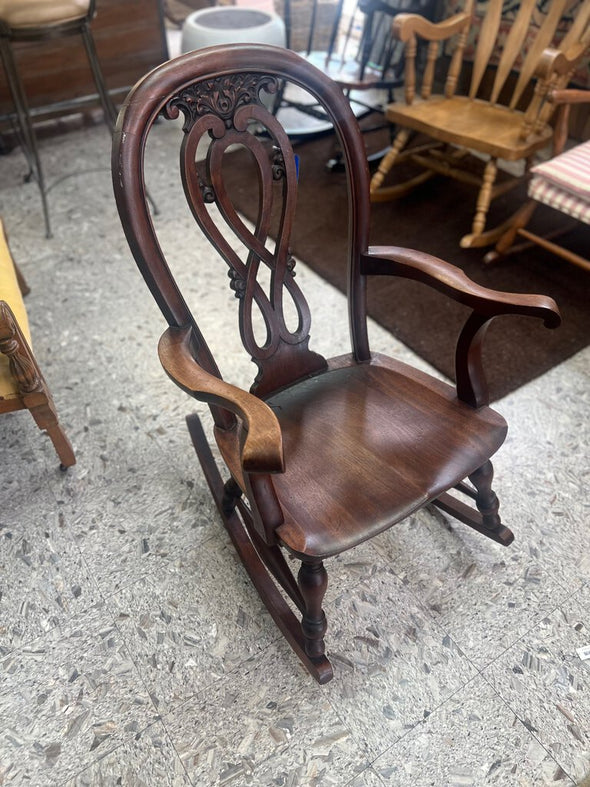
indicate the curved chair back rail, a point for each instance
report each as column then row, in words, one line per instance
column 321, row 453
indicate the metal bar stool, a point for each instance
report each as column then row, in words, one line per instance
column 41, row 20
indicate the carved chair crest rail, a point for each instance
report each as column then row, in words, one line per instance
column 321, row 453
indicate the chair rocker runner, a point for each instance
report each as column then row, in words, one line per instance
column 456, row 124
column 322, row 454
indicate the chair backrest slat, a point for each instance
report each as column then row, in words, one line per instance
column 487, row 41
column 513, row 46
column 543, row 39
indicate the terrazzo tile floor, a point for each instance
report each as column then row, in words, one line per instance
column 134, row 650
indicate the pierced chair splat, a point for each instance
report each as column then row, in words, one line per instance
column 321, row 453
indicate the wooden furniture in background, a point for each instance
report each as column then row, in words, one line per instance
column 492, row 126
column 562, row 183
column 322, row 454
column 22, row 385
column 36, row 22
column 130, row 40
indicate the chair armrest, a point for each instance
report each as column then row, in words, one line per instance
column 486, row 304
column 447, row 278
column 262, row 451
column 406, row 26
column 564, row 100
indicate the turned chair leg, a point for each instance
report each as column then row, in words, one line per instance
column 485, row 197
column 313, row 582
column 231, row 495
column 47, row 420
column 389, row 159
column 486, row 499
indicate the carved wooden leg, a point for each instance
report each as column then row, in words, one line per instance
column 313, row 581
column 486, row 500
column 47, row 420
column 389, row 160
column 257, row 569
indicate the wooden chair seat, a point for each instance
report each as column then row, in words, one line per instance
column 473, row 124
column 368, row 415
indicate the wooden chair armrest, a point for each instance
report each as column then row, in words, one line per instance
column 262, row 451
column 406, row 26
column 447, row 278
column 564, row 100
column 569, row 96
column 486, row 304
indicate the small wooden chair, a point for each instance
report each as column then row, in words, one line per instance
column 492, row 125
column 322, row 454
column 561, row 183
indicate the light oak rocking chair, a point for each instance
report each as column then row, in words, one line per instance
column 490, row 124
column 321, row 454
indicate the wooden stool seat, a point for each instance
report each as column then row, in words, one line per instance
column 38, row 13
column 36, row 21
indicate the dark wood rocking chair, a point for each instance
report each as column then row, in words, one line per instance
column 321, row 454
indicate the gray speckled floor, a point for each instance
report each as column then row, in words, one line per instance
column 133, row 649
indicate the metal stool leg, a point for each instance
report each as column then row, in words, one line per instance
column 110, row 113
column 28, row 139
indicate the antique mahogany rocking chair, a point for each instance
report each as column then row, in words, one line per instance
column 494, row 121
column 322, row 454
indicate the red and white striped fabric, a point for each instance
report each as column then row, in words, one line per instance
column 563, row 182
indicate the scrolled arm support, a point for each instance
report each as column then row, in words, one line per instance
column 23, row 367
column 262, row 451
column 485, row 303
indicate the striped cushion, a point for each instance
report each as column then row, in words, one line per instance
column 563, row 182
column 570, row 171
column 557, row 198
